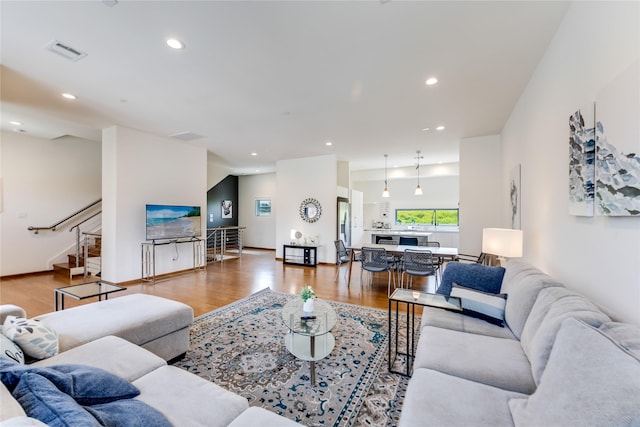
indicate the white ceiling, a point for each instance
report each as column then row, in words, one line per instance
column 276, row 78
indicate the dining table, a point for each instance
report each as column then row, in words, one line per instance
column 443, row 253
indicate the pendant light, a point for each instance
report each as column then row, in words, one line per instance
column 418, row 188
column 385, row 192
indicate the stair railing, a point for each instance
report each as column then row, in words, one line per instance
column 220, row 240
column 53, row 227
column 86, row 252
column 77, row 228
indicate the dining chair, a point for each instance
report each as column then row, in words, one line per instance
column 438, row 262
column 375, row 260
column 343, row 255
column 418, row 263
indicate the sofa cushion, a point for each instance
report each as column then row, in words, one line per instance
column 483, row 305
column 438, row 399
column 41, row 399
column 459, row 322
column 589, row 380
column 497, row 362
column 475, row 276
column 552, row 306
column 22, row 421
column 201, row 403
column 625, row 334
column 522, row 282
column 131, row 363
column 11, row 350
column 138, row 318
column 9, row 406
column 36, row 339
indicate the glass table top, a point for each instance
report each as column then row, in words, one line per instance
column 87, row 290
column 325, row 318
column 422, row 298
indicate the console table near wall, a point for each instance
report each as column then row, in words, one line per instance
column 300, row 255
column 149, row 256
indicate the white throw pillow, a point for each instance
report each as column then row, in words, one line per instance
column 35, row 338
column 11, row 350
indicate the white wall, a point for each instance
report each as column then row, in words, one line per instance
column 217, row 170
column 43, row 181
column 597, row 256
column 481, row 192
column 261, row 230
column 138, row 169
column 296, row 180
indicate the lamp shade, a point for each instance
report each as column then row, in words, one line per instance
column 503, row 242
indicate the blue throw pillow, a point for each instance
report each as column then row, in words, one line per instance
column 475, row 276
column 129, row 413
column 86, row 384
column 41, row 400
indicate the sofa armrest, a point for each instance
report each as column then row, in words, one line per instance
column 11, row 310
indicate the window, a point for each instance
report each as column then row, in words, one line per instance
column 427, row 216
column 263, row 207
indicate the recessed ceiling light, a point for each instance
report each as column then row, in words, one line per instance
column 254, row 154
column 440, row 128
column 175, row 44
column 425, row 129
column 69, row 96
column 16, row 123
column 431, row 81
column 328, row 143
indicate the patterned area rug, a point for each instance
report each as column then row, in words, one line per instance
column 241, row 348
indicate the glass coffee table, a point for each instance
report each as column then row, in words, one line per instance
column 83, row 291
column 311, row 339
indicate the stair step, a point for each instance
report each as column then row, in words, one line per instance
column 67, row 270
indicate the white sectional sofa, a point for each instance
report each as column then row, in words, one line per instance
column 132, row 337
column 558, row 361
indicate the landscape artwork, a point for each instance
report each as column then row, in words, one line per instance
column 582, row 151
column 618, row 146
column 515, row 197
column 172, row 222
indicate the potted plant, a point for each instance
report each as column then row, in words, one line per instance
column 308, row 296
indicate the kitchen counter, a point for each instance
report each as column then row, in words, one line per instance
column 447, row 236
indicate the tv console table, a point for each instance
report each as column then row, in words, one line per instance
column 149, row 256
column 300, row 255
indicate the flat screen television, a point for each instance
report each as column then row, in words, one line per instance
column 173, row 222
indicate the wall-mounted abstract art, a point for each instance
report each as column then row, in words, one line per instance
column 227, row 209
column 618, row 146
column 515, row 196
column 582, row 152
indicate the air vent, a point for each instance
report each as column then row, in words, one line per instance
column 65, row 51
column 186, row 136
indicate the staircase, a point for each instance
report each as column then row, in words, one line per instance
column 90, row 257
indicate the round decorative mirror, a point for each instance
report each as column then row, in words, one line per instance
column 310, row 210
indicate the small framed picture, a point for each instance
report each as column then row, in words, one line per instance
column 227, row 209
column 263, row 207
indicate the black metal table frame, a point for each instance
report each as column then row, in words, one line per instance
column 409, row 354
column 59, row 294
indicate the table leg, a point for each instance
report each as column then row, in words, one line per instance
column 408, row 340
column 55, row 300
column 312, row 364
column 350, row 266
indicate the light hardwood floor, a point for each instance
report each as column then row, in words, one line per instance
column 220, row 284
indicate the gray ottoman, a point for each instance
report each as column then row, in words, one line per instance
column 157, row 324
